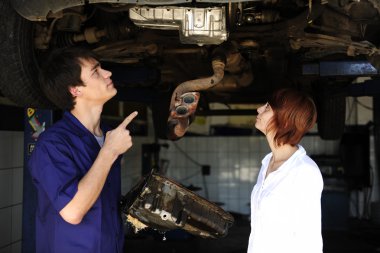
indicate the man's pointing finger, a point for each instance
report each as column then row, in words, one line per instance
column 128, row 119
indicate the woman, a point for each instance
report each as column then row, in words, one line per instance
column 285, row 202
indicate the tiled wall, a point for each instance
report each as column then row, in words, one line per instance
column 132, row 163
column 11, row 178
column 234, row 162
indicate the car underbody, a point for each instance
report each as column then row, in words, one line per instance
column 200, row 52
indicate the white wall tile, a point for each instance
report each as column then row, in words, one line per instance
column 6, row 178
column 8, row 249
column 17, row 185
column 203, row 157
column 16, row 223
column 6, row 150
column 16, row 247
column 11, row 187
column 17, row 151
column 191, row 144
column 233, row 205
column 254, row 144
column 307, row 143
column 234, row 190
column 5, row 226
column 212, row 144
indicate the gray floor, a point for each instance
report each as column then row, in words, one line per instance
column 359, row 237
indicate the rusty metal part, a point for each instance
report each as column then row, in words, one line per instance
column 239, row 70
column 186, row 105
column 177, row 126
column 38, row 10
column 228, row 83
column 90, row 35
column 44, row 35
column 325, row 41
column 201, row 83
column 181, row 116
column 375, row 4
column 194, row 50
column 127, row 51
column 239, row 75
column 163, row 204
column 231, row 71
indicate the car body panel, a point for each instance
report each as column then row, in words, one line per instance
column 37, row 10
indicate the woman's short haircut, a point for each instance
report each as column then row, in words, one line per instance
column 61, row 71
column 294, row 113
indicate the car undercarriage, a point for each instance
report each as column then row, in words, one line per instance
column 193, row 53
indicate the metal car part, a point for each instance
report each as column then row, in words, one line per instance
column 324, row 41
column 178, row 125
column 186, row 104
column 225, row 58
column 37, row 10
column 196, row 25
column 163, row 204
column 274, row 39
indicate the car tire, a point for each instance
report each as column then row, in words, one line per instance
column 19, row 82
column 331, row 109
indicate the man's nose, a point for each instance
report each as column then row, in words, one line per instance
column 106, row 73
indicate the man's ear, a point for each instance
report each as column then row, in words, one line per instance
column 75, row 91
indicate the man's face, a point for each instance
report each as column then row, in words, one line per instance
column 98, row 87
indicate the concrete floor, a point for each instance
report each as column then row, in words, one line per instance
column 359, row 237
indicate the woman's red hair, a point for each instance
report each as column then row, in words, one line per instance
column 294, row 113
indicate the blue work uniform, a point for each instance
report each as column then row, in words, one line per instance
column 63, row 155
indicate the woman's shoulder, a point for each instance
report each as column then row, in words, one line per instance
column 305, row 161
column 307, row 172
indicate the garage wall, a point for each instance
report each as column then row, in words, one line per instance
column 234, row 163
column 11, row 176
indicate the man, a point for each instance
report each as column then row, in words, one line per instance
column 75, row 165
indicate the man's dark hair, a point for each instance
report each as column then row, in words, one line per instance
column 61, row 71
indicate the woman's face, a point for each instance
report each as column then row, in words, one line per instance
column 265, row 114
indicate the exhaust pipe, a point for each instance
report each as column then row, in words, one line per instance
column 184, row 100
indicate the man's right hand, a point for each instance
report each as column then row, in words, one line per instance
column 116, row 143
column 118, row 140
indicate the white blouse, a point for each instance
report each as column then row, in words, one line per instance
column 286, row 207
